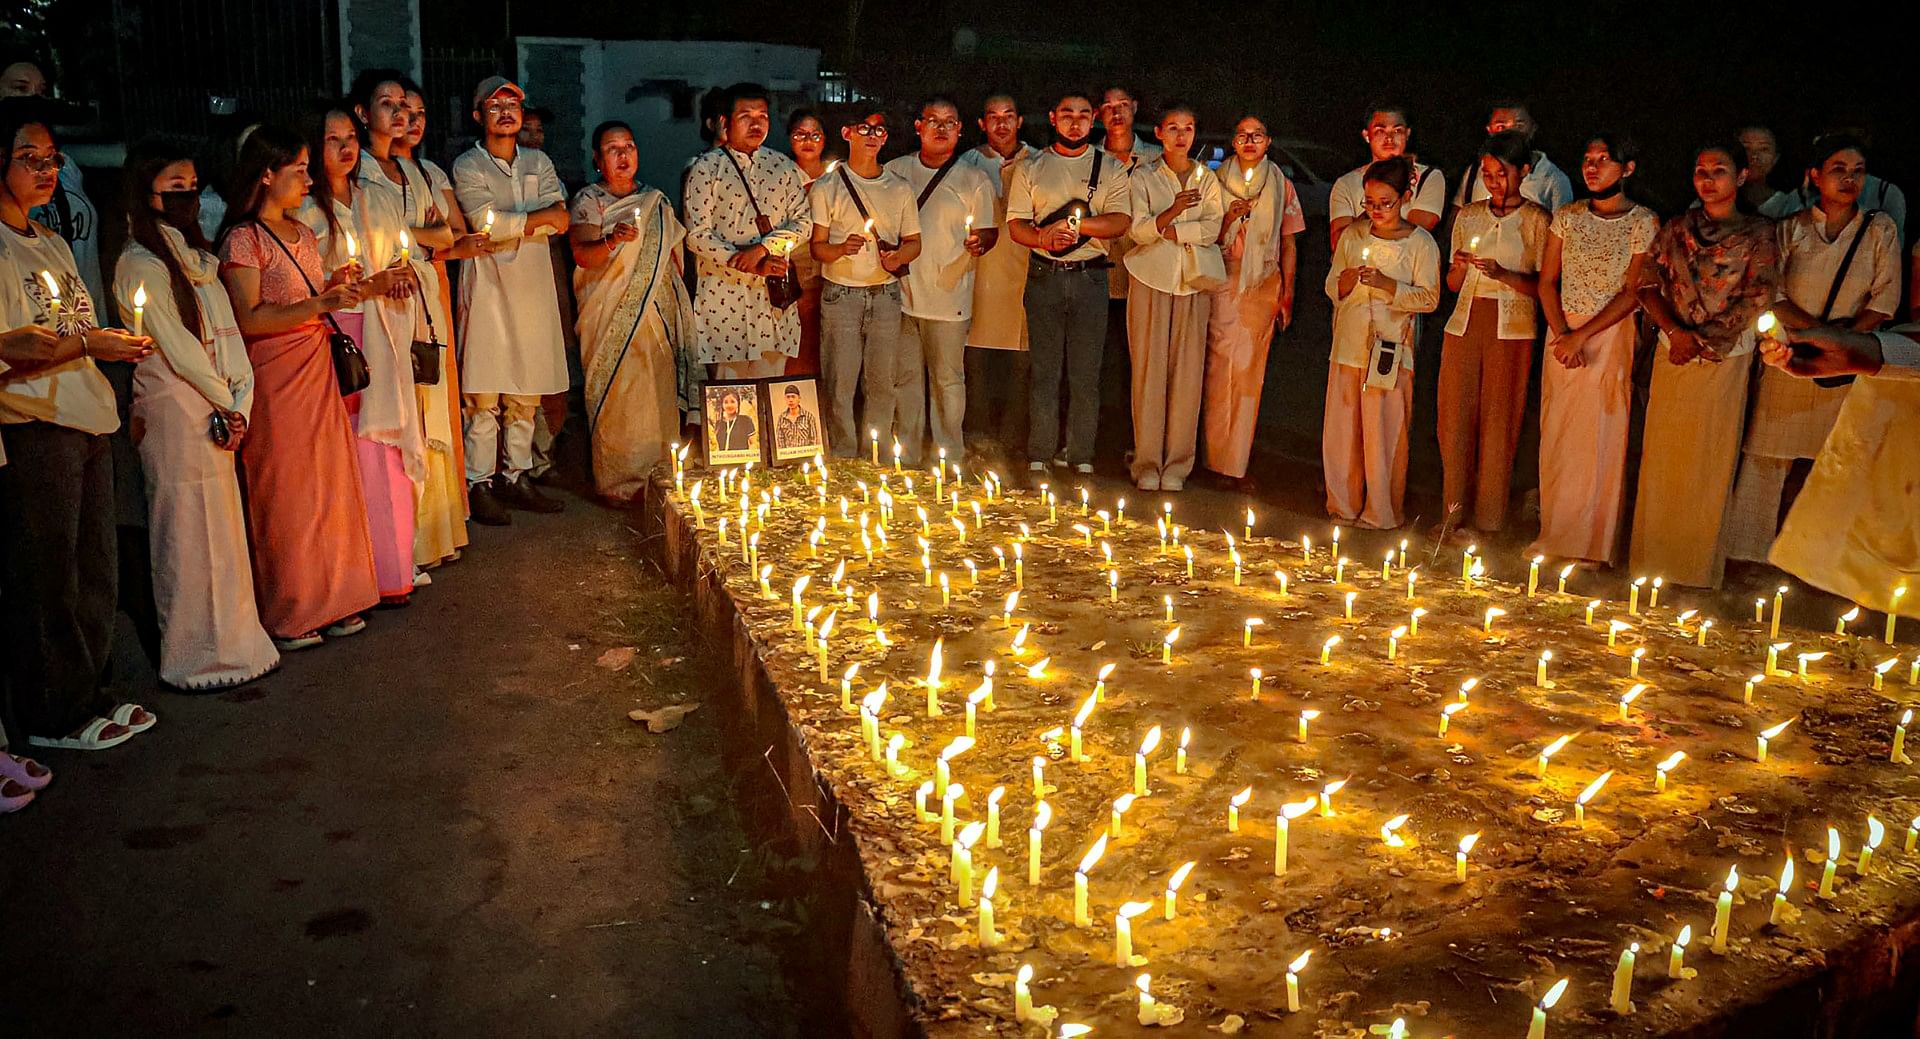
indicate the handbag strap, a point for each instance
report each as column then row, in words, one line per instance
column 1833, row 291
column 288, row 253
column 938, row 176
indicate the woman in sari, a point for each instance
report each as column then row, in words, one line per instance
column 190, row 407
column 806, row 138
column 635, row 323
column 365, row 230
column 1714, row 270
column 1263, row 216
column 306, row 517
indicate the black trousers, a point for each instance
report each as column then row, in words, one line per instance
column 58, row 576
column 997, row 397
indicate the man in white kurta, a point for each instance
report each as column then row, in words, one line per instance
column 514, row 348
column 746, row 212
column 957, row 226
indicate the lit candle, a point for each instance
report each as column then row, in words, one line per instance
column 1880, row 672
column 1413, row 621
column 1833, row 863
column 1188, row 550
column 1779, row 600
column 1282, row 830
column 1085, row 532
column 1305, row 717
column 53, row 298
column 1412, row 576
column 1547, row 752
column 1540, row 670
column 920, row 795
column 1326, row 797
column 1393, row 641
column 1533, row 575
column 933, row 678
column 1876, row 832
column 1773, row 657
column 1586, row 797
column 1180, row 752
column 1723, row 911
column 1386, row 568
column 1622, row 999
column 1492, row 613
column 1293, row 981
column 1306, row 550
column 1147, row 747
column 1898, row 756
column 1334, row 552
column 1326, row 650
column 1100, row 682
column 1023, row 993
column 988, row 937
column 1466, row 562
column 1123, row 931
column 1893, row 613
column 1538, row 1029
column 1390, row 831
column 942, row 767
column 1446, row 715
column 1281, row 576
column 1340, row 570
column 1351, row 596
column 1074, row 753
column 1113, row 586
column 870, row 717
column 1565, row 572
column 1168, row 600
column 955, row 792
column 1633, row 596
column 1759, row 610
column 1704, row 625
column 1767, row 734
column 1614, row 628
column 1121, row 805
column 799, row 587
column 1087, row 862
column 963, row 861
column 1249, row 530
column 486, row 224
column 1653, row 603
column 1166, row 645
column 846, row 687
column 1808, row 658
column 1677, row 955
column 1019, row 567
column 1234, row 805
column 894, row 743
column 1042, row 815
column 1592, row 605
column 1913, row 834
column 1633, row 662
column 1660, row 771
column 140, row 308
column 1467, row 687
column 1460, row 857
column 1780, row 893
column 1840, row 626
column 1630, row 696
column 1246, row 638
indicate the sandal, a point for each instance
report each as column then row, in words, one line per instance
column 13, row 796
column 88, row 738
column 127, row 712
column 25, row 771
column 351, row 626
column 299, row 642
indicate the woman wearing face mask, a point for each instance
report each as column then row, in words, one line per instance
column 1497, row 245
column 1713, row 271
column 190, row 406
column 1839, row 266
column 806, row 138
column 57, row 554
column 1589, row 278
column 306, row 518
column 360, row 229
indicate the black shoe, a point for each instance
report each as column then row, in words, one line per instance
column 523, row 495
column 483, row 505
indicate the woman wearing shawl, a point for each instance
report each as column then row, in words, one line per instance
column 190, row 406
column 635, row 319
column 1714, row 271
column 1263, row 214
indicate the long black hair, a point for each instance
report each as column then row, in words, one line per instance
column 144, row 163
column 269, row 147
column 313, row 127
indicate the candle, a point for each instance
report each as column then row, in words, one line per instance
column 1767, row 734
column 1586, row 797
column 1282, row 829
column 1022, row 993
column 1833, row 863
column 1898, row 756
column 846, row 687
column 1326, row 797
column 1630, row 696
column 1234, row 805
column 140, row 307
column 1246, row 638
column 53, row 298
column 1386, row 568
column 1876, row 832
column 799, row 587
column 1079, row 720
column 1677, row 955
column 1540, row 670
column 1100, row 683
column 933, row 678
column 1120, row 806
column 1042, row 815
column 955, row 791
column 1592, row 604
column 1188, row 551
column 1168, row 600
column 1413, row 622
column 1492, row 613
column 1880, row 672
column 1893, row 614
column 1180, row 752
column 1123, row 931
column 1773, row 657
column 1779, row 600
column 1147, row 747
column 1293, row 981
column 1249, row 528
column 1808, row 658
column 1614, row 628
column 1913, row 834
column 1466, row 562
column 920, row 795
column 1306, row 550
column 1447, row 713
column 1113, row 586
column 766, row 572
column 1178, row 878
column 1653, row 603
column 1326, row 650
column 988, row 937
column 1340, row 570
column 1704, row 625
column 1622, row 998
column 1633, row 595
column 1019, row 568
column 1467, row 687
column 1305, row 717
column 1120, row 510
column 1565, row 572
column 942, row 768
column 1547, row 752
column 1460, row 857
column 1660, row 771
column 1351, row 596
column 1393, row 641
column 963, row 861
column 1533, row 575
column 870, row 717
column 894, row 743
column 1085, row 532
column 1087, row 862
column 1166, row 645
column 1780, row 892
column 486, row 224
column 1633, row 663
column 1840, row 626
column 1538, row 1029
column 1412, row 576
column 1723, row 911
column 1389, row 831
column 1334, row 552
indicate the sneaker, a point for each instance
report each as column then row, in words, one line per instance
column 484, row 506
column 1173, row 483
column 1149, row 482
column 1084, row 468
column 1036, row 467
column 523, row 495
column 1060, row 461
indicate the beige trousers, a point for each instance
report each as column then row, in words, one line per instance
column 1167, row 339
column 1363, row 446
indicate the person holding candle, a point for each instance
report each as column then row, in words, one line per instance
column 359, row 227
column 807, row 142
column 1714, row 270
column 635, row 317
column 1839, row 265
column 313, row 566
column 1174, row 260
column 57, row 549
column 1388, row 134
column 866, row 229
column 996, row 365
column 1594, row 263
column 1498, row 244
column 190, row 405
column 958, row 227
column 1383, row 273
column 1066, row 203
column 1257, row 232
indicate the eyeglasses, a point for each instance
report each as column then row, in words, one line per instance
column 870, row 130
column 942, row 124
column 53, row 163
column 1249, row 138
column 497, row 107
column 815, row 136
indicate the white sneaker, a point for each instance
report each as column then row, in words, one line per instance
column 1084, row 468
column 420, row 578
column 1036, row 467
column 1172, row 484
column 1149, row 482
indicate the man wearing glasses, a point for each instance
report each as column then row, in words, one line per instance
column 1387, row 135
column 958, row 226
column 510, row 314
column 866, row 228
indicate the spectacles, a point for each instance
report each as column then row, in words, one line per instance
column 53, row 163
column 497, row 107
column 870, row 130
column 815, row 136
column 1249, row 138
column 942, row 124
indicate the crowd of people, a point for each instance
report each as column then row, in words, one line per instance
column 319, row 410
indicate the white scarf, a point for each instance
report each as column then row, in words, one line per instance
column 1258, row 230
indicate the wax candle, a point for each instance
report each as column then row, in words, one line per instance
column 1393, row 641
column 1467, row 687
column 1779, row 600
column 1840, row 626
column 1115, row 823
column 1326, row 650
column 846, row 686
column 1565, row 572
column 1538, row 1029
column 955, row 791
column 1334, row 552
column 1493, row 613
column 140, row 308
column 1351, row 596
column 1780, row 892
column 1403, row 552
column 1340, row 570
column 1326, row 797
column 1876, row 832
column 1760, row 753
column 1533, row 575
column 1180, row 752
column 1282, row 829
column 933, row 677
column 1023, row 993
column 1123, row 931
column 1390, row 831
column 1723, row 912
column 1629, row 696
column 1168, row 600
column 1547, row 752
column 1246, row 637
column 1622, row 996
column 1677, row 954
column 870, row 716
column 1446, row 715
column 1087, row 862
column 1466, row 562
column 1633, row 596
column 920, row 795
column 1460, row 857
column 1592, row 604
column 1147, row 746
column 1586, row 797
column 1305, row 717
column 1893, row 614
column 1704, row 625
column 1166, row 645
column 1412, row 576
column 1898, row 755
column 963, row 861
column 1540, row 671
column 1913, row 834
column 1773, row 657
column 1249, row 529
column 1281, row 576
column 1660, row 771
column 1413, row 621
column 1833, row 863
column 1653, row 603
column 988, row 936
column 1042, row 815
column 1293, row 981
column 894, row 743
column 1614, row 628
column 1174, row 882
column 1113, row 586
column 1188, row 551
column 1880, row 672
column 1100, row 682
column 1074, row 752
column 1306, row 550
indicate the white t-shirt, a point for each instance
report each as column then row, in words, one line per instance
column 939, row 285
column 75, row 395
column 889, row 203
column 1429, row 193
column 1049, row 180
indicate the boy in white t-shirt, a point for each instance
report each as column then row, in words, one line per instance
column 865, row 229
column 1387, row 134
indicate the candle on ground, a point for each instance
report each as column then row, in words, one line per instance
column 1633, row 596
column 1723, row 912
column 1281, row 576
column 1913, row 834
column 1178, row 878
column 963, row 861
column 1592, row 605
column 1493, row 613
column 1833, row 863
column 1087, row 862
column 1123, row 931
column 1466, row 562
column 1633, row 662
column 1467, row 687
column 1326, row 650
column 846, row 687
column 1547, row 752
column 1898, row 755
column 1565, row 572
column 1412, row 576
column 1326, row 797
column 1074, row 752
column 1586, row 797
column 1234, row 805
column 1113, row 586
column 1246, row 637
column 1653, row 603
column 1760, row 752
column 1282, row 829
column 894, row 743
column 1188, row 551
column 1447, row 713
column 1840, row 626
column 1614, row 628
column 1116, row 823
column 1305, row 717
column 994, row 797
column 1780, row 893
column 1351, row 596
column 1042, row 815
column 1390, row 831
column 1779, row 600
column 1460, row 857
column 955, row 792
column 988, row 936
column 1023, row 993
column 1880, row 672
column 933, row 677
column 1540, row 671
column 1180, row 752
column 1100, row 682
column 1386, row 568
column 1533, row 575
column 870, row 717
column 1677, row 955
column 1538, row 1029
column 1893, row 612
column 974, row 700
column 1340, row 570
column 1168, row 600
column 1627, row 698
column 1704, row 625
column 1773, row 657
column 1876, row 832
column 1393, row 641
column 1166, row 645
column 920, row 795
column 1622, row 998
column 1255, row 672
column 1660, row 771
column 1293, row 981
column 1413, row 621
column 1147, row 746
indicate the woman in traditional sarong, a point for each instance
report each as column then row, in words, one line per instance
column 1257, row 240
column 635, row 317
column 190, row 407
column 1714, row 271
column 1589, row 283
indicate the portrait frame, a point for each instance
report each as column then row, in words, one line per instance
column 722, row 438
column 786, row 445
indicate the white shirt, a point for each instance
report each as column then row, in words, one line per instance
column 1544, row 184
column 737, row 321
column 888, row 199
column 75, row 395
column 1049, row 180
column 939, row 285
column 1900, row 356
column 1875, row 193
column 1429, row 193
column 1368, row 313
column 1809, row 260
column 1144, row 151
column 1156, row 259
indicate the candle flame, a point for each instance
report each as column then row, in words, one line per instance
column 1633, row 694
column 1388, row 828
column 353, row 247
column 1143, row 982
column 1733, row 879
column 1673, row 761
column 1180, row 876
column 933, row 662
column 1039, row 669
column 991, row 884
column 1810, row 657
column 1553, row 994
column 1876, row 832
column 1593, row 789
column 971, row 833
column 1766, row 324
column 1467, row 842
column 1122, row 803
column 1333, row 788
column 995, row 795
column 1332, row 641
column 1494, row 612
column 959, row 746
column 1254, row 622
column 1106, row 670
column 871, row 702
column 1092, row 857
column 1833, row 843
column 981, row 692
column 53, row 286
column 1686, row 935
column 1566, row 571
column 1173, row 636
column 1468, row 685
column 894, row 743
column 1850, row 616
column 1767, row 734
column 1300, row 963
column 1130, row 910
column 1309, row 715
column 1296, row 809
column 1556, row 746
column 140, row 295
column 1453, row 708
column 1042, row 815
column 1086, row 710
column 1151, row 741
column 1398, row 633
column 1240, row 799
column 1885, row 666
column 1786, row 876
column 801, row 586
column 1186, row 736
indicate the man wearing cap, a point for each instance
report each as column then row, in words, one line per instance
column 514, row 350
column 794, row 427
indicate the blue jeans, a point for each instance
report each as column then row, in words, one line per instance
column 1066, row 331
column 859, row 347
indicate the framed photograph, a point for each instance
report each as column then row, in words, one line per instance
column 793, row 413
column 731, row 422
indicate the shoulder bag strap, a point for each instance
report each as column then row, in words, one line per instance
column 1839, row 276
column 288, row 253
column 1093, row 177
column 858, row 203
column 938, row 176
column 758, row 216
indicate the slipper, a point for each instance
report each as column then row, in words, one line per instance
column 350, row 626
column 124, row 715
column 299, row 642
column 86, row 739
column 20, row 770
column 421, row 578
column 13, row 802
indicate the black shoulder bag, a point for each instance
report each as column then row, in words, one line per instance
column 349, row 364
column 1071, row 209
column 1833, row 293
column 784, row 291
column 425, row 356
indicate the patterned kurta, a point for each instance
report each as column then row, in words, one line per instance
column 736, row 321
